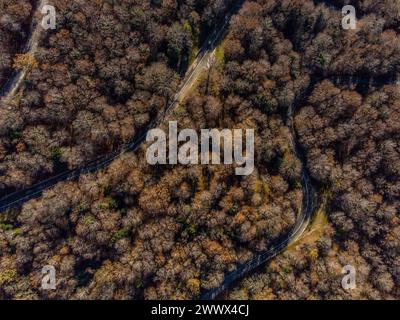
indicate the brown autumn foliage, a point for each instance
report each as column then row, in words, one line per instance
column 155, row 231
column 137, row 231
column 350, row 134
column 104, row 73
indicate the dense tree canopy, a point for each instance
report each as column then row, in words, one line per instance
column 134, row 231
column 14, row 27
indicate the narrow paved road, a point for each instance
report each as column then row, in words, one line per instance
column 309, row 204
column 298, row 229
column 201, row 62
column 204, row 57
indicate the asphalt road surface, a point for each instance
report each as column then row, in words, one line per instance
column 14, row 82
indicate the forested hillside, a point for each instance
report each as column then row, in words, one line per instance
column 14, row 29
column 350, row 135
column 156, row 232
column 135, row 231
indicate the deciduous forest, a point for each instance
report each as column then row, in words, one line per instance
column 320, row 98
column 14, row 28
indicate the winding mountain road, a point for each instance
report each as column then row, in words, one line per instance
column 201, row 62
column 309, row 204
column 298, row 229
column 13, row 84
